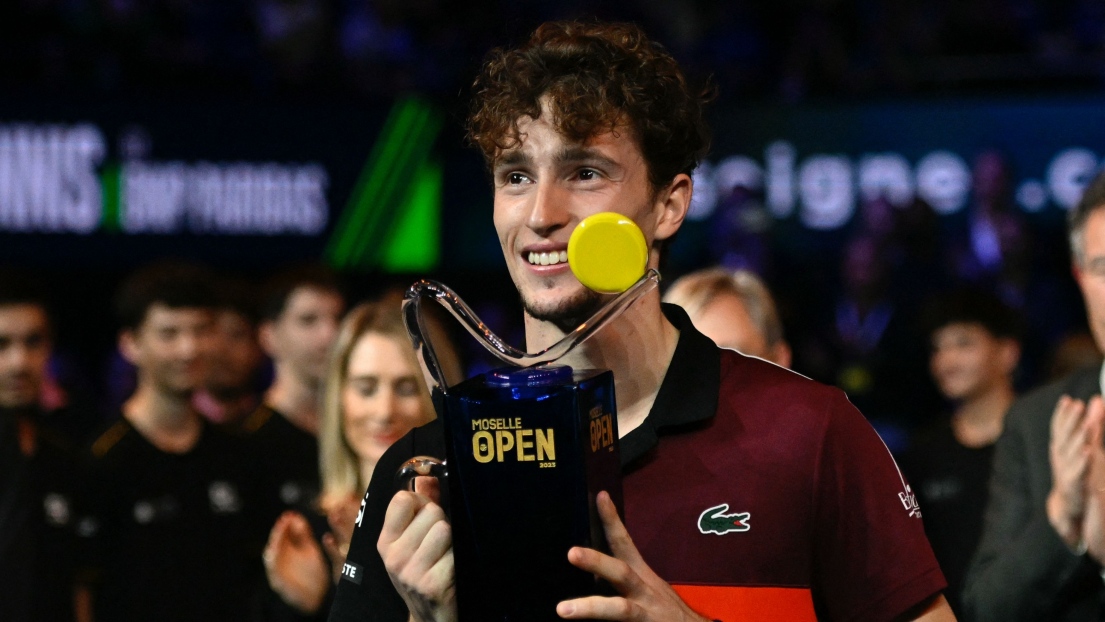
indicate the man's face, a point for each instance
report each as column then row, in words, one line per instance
column 171, row 348
column 1090, row 273
column 235, row 355
column 24, row 353
column 967, row 360
column 546, row 184
column 300, row 338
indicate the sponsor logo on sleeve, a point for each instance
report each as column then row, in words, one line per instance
column 352, row 572
column 715, row 520
column 909, row 502
column 360, row 513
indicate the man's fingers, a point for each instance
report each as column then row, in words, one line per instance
column 1067, row 418
column 596, row 608
column 621, row 544
column 614, row 570
column 440, row 576
column 422, row 543
column 1094, row 422
column 437, row 541
column 402, row 509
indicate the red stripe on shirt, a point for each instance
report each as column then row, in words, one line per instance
column 735, row 603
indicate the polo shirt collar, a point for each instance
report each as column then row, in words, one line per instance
column 689, row 392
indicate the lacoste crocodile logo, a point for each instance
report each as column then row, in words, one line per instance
column 715, row 520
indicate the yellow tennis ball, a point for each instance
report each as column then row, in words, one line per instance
column 607, row 252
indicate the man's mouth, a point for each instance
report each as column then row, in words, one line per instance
column 547, row 258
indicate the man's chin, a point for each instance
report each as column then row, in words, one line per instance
column 567, row 314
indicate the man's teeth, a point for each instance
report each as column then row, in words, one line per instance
column 548, row 259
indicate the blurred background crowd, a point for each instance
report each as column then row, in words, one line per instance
column 786, row 51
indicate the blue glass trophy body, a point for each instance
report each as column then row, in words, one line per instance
column 528, row 449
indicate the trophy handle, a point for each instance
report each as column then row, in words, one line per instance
column 412, row 318
column 419, row 466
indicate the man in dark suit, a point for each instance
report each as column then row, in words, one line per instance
column 1043, row 541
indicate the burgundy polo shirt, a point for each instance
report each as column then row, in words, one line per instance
column 757, row 493
column 760, row 494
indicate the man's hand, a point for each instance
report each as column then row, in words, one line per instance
column 416, row 545
column 1069, row 454
column 294, row 563
column 1093, row 525
column 645, row 597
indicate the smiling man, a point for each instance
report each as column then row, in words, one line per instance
column 975, row 351
column 36, row 466
column 167, row 515
column 586, row 118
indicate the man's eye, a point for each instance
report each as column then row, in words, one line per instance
column 516, row 178
column 587, row 174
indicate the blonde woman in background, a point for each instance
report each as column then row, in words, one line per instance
column 374, row 394
column 735, row 310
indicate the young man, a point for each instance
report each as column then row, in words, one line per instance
column 230, row 393
column 300, row 312
column 168, row 517
column 27, row 347
column 36, row 468
column 975, row 350
column 1043, row 540
column 588, row 118
column 734, row 309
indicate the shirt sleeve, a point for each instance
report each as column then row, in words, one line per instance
column 872, row 561
column 365, row 591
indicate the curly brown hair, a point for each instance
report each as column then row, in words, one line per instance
column 597, row 77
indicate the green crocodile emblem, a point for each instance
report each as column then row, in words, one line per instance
column 715, row 520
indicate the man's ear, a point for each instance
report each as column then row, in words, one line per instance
column 128, row 346
column 266, row 336
column 1010, row 353
column 673, row 203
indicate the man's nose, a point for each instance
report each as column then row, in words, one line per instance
column 189, row 345
column 549, row 208
column 16, row 357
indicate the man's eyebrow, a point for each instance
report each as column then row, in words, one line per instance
column 511, row 158
column 584, row 154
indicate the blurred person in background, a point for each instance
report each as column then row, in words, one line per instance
column 993, row 248
column 230, row 388
column 976, row 347
column 27, row 381
column 300, row 311
column 167, row 515
column 735, row 310
column 868, row 344
column 374, row 393
column 1043, row 541
column 36, row 467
